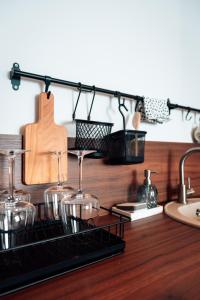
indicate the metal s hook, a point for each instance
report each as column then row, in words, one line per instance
column 48, row 94
column 186, row 117
column 94, row 93
column 80, row 90
column 119, row 101
column 47, row 84
column 121, row 105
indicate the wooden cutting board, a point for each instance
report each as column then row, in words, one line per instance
column 40, row 138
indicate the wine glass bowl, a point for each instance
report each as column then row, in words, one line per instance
column 15, row 212
column 54, row 194
column 11, row 191
column 80, row 204
column 16, row 215
column 19, row 195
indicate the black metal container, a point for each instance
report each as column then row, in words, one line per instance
column 126, row 147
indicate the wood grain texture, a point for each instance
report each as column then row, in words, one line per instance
column 117, row 183
column 41, row 138
column 161, row 262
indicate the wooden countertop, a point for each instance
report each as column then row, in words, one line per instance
column 161, row 261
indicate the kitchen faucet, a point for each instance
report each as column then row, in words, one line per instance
column 183, row 191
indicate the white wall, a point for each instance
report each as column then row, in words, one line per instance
column 142, row 47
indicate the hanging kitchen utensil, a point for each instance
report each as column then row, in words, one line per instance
column 42, row 138
column 90, row 134
column 196, row 133
column 136, row 120
column 125, row 146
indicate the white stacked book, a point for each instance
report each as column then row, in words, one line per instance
column 136, row 211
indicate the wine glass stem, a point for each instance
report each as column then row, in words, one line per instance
column 11, row 172
column 59, row 168
column 80, row 166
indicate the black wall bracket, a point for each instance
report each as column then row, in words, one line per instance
column 15, row 77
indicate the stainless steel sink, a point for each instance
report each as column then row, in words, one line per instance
column 185, row 213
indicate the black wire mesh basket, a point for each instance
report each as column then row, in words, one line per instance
column 90, row 134
column 49, row 248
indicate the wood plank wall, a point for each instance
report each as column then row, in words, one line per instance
column 116, row 183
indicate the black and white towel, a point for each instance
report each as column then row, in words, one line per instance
column 153, row 110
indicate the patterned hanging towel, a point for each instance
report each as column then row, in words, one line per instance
column 153, row 110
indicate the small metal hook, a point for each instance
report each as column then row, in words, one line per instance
column 47, row 84
column 121, row 105
column 186, row 117
column 80, row 90
column 48, row 94
column 94, row 93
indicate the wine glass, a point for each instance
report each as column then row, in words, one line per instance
column 54, row 194
column 79, row 204
column 15, row 212
column 11, row 191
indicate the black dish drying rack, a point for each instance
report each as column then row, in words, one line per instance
column 49, row 248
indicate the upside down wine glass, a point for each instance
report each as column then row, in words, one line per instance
column 11, row 191
column 16, row 211
column 54, row 194
column 79, row 204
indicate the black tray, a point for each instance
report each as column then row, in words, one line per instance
column 49, row 249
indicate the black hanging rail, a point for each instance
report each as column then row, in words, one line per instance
column 16, row 74
column 177, row 106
